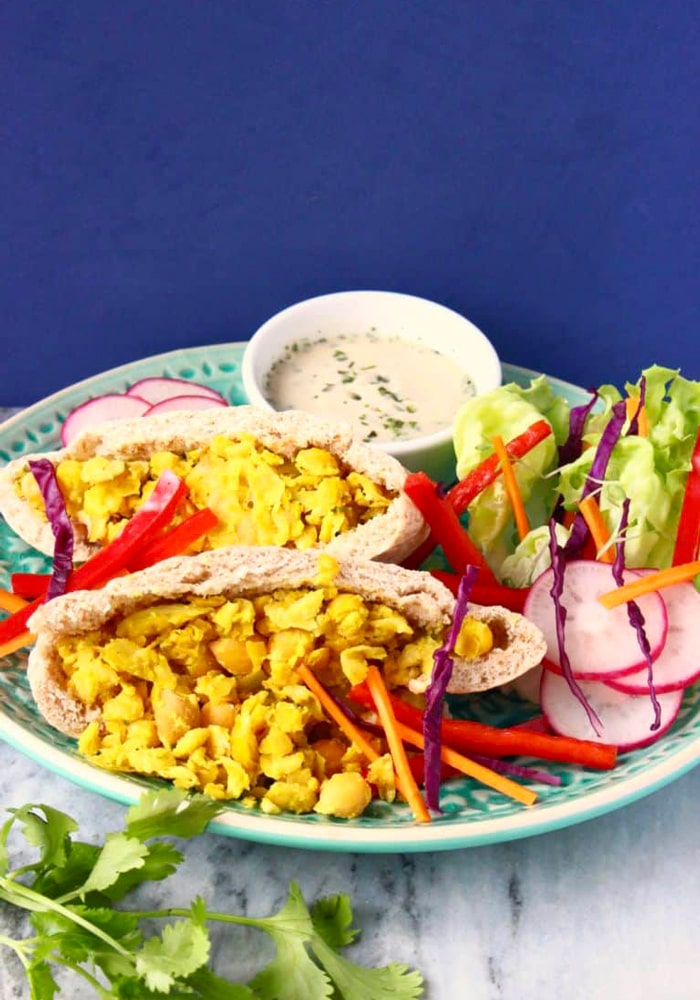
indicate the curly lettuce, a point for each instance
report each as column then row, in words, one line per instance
column 507, row 411
column 650, row 470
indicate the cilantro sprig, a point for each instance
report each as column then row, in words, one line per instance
column 69, row 893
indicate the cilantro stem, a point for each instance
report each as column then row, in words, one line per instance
column 20, row 948
column 95, row 983
column 28, row 899
column 224, row 918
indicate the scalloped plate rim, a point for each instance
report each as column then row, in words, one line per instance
column 547, row 816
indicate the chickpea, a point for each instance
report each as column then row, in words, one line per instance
column 345, row 794
column 233, row 655
column 219, row 713
column 175, row 714
column 332, row 752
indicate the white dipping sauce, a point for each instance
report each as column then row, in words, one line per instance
column 389, row 388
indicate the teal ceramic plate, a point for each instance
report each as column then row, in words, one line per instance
column 472, row 815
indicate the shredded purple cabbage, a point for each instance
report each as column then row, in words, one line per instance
column 442, row 671
column 596, row 475
column 634, row 613
column 558, row 568
column 517, row 770
column 371, row 727
column 573, row 446
column 45, row 474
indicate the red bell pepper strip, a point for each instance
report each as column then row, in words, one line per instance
column 486, row 594
column 149, row 519
column 469, row 737
column 460, row 551
column 687, row 547
column 30, row 585
column 176, row 541
column 476, row 481
column 173, row 542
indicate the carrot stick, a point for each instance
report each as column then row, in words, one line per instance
column 635, row 410
column 649, row 584
column 512, row 488
column 590, row 511
column 352, row 732
column 18, row 642
column 462, row 494
column 11, row 602
column 485, row 775
column 489, row 741
column 408, row 785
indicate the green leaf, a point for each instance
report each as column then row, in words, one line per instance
column 180, row 950
column 292, row 974
column 332, row 920
column 50, row 832
column 160, row 862
column 4, row 853
column 171, row 812
column 63, row 881
column 209, row 986
column 77, row 943
column 133, row 988
column 42, row 984
column 356, row 982
column 120, row 853
column 198, row 908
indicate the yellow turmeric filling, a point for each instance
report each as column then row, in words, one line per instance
column 203, row 693
column 259, row 497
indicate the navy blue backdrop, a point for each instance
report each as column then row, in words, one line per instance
column 175, row 172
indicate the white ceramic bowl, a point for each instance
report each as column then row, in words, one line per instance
column 385, row 313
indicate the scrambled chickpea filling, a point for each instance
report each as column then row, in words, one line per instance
column 203, row 692
column 259, row 497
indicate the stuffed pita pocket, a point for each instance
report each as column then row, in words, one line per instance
column 187, row 671
column 286, row 479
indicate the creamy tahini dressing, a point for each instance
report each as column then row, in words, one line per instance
column 389, row 388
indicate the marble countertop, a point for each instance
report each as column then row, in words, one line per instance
column 606, row 909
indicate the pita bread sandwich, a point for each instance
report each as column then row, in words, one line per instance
column 189, row 671
column 287, row 479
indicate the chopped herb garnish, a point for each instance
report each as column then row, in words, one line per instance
column 383, row 395
column 69, row 892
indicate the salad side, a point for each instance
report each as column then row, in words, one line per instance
column 608, row 497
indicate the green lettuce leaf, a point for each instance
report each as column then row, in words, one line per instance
column 651, row 471
column 508, row 411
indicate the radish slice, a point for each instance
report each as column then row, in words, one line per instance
column 185, row 403
column 678, row 663
column 157, row 389
column 626, row 719
column 600, row 643
column 110, row 406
